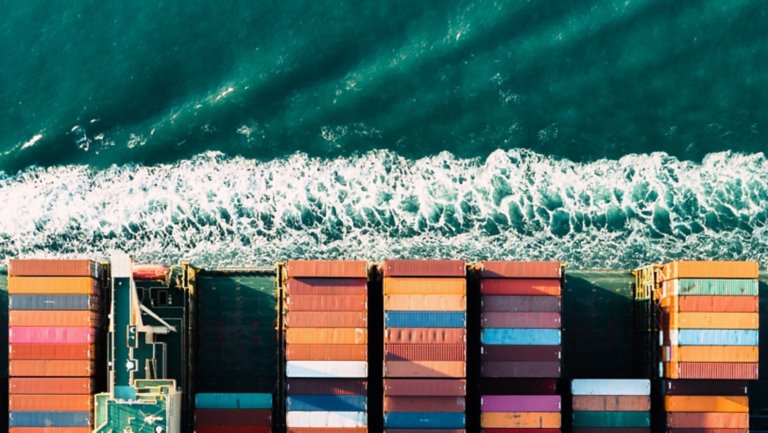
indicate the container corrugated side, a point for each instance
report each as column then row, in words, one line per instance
column 229, row 428
column 714, row 337
column 50, row 402
column 326, row 269
column 439, row 420
column 714, row 304
column 49, row 419
column 53, row 285
column 425, row 286
column 233, row 417
column 425, row 352
column 425, row 387
column 424, row 404
column 520, row 403
column 507, row 336
column 710, row 269
column 520, row 320
column 51, row 351
column 54, row 318
column 48, row 368
column 331, row 430
column 327, row 286
column 425, row 319
column 51, row 385
column 425, row 369
column 510, row 269
column 51, row 335
column 521, row 353
column 53, row 302
column 611, row 419
column 716, row 287
column 327, row 386
column 705, row 387
column 712, row 370
column 326, row 403
column 519, row 386
column 330, row 352
column 714, row 320
column 520, row 369
column 326, row 336
column 520, row 287
column 710, row 353
column 53, row 430
column 327, row 369
column 709, row 403
column 233, row 401
column 321, row 319
column 620, row 403
column 514, row 304
column 424, row 268
column 611, row 387
column 52, row 268
column 520, row 420
column 326, row 419
column 707, row 420
column 326, row 303
column 425, row 335
column 425, row 302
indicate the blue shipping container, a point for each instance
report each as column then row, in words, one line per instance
column 522, row 337
column 425, row 319
column 49, row 419
column 432, row 420
column 717, row 337
column 327, row 403
column 233, row 401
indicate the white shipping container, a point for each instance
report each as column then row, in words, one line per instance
column 611, row 387
column 327, row 369
column 296, row 419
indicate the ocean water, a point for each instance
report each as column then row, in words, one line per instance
column 600, row 133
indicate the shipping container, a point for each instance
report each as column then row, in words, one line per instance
column 54, row 318
column 520, row 336
column 49, row 419
column 712, row 370
column 50, row 403
column 611, row 419
column 521, row 386
column 425, row 369
column 228, row 428
column 424, row 404
column 705, row 387
column 509, row 269
column 521, row 287
column 330, row 352
column 526, row 420
column 425, row 352
column 424, row 268
column 425, row 387
column 327, row 369
column 53, row 286
column 326, row 303
column 327, row 286
column 425, row 302
column 425, row 286
column 326, row 419
column 327, row 386
column 710, row 353
column 326, row 336
column 520, row 403
column 326, row 269
column 714, row 320
column 329, row 430
column 51, row 351
column 53, row 302
column 321, row 319
column 326, row 403
column 707, row 420
column 238, row 417
column 714, row 304
column 519, row 304
column 520, row 353
column 51, row 385
column 50, row 430
column 610, row 387
column 611, row 403
column 438, row 420
column 617, row 430
column 520, row 320
column 233, row 401
column 714, row 337
column 520, row 369
column 50, row 335
column 731, row 287
column 425, row 335
column 710, row 269
column 424, row 319
column 709, row 403
column 51, row 368
column 52, row 268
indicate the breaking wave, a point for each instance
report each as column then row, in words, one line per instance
column 219, row 211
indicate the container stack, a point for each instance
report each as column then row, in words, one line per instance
column 54, row 323
column 520, row 345
column 233, row 413
column 709, row 336
column 425, row 355
column 326, row 335
column 611, row 405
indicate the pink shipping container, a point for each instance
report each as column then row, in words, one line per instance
column 326, row 269
column 509, row 269
column 520, row 403
column 30, row 335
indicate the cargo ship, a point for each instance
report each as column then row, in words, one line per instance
column 398, row 345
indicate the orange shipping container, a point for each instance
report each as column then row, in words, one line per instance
column 52, row 268
column 710, row 269
column 707, row 420
column 534, row 420
column 326, row 336
column 322, row 319
column 51, row 351
column 711, row 370
column 51, row 385
column 621, row 403
column 331, row 352
column 326, row 269
column 425, row 352
column 326, row 303
column 425, row 303
column 53, row 285
column 711, row 353
column 710, row 320
column 53, row 318
column 706, row 403
column 425, row 369
column 425, row 286
column 51, row 368
column 50, row 403
column 425, row 335
column 712, row 304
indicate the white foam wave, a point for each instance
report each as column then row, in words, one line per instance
column 514, row 204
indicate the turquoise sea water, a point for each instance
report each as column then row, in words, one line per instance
column 602, row 133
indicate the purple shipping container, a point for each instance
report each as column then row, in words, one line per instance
column 495, row 352
column 519, row 369
column 520, row 403
column 506, row 386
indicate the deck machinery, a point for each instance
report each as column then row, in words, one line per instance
column 144, row 391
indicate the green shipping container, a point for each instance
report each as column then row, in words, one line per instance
column 611, row 419
column 734, row 287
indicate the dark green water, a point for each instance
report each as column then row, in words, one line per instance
column 504, row 129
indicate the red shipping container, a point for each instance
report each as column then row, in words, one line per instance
column 321, row 319
column 712, row 370
column 51, row 385
column 326, row 303
column 510, row 269
column 52, row 268
column 229, row 428
column 51, row 351
column 326, row 386
column 520, row 320
column 240, row 417
column 705, row 387
column 520, row 353
column 425, row 387
column 50, row 403
column 708, row 420
column 519, row 369
column 717, row 304
column 424, row 268
column 327, row 286
column 425, row 335
column 424, row 404
column 522, row 287
column 425, row 352
column 513, row 304
column 322, row 352
column 507, row 386
column 326, row 269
